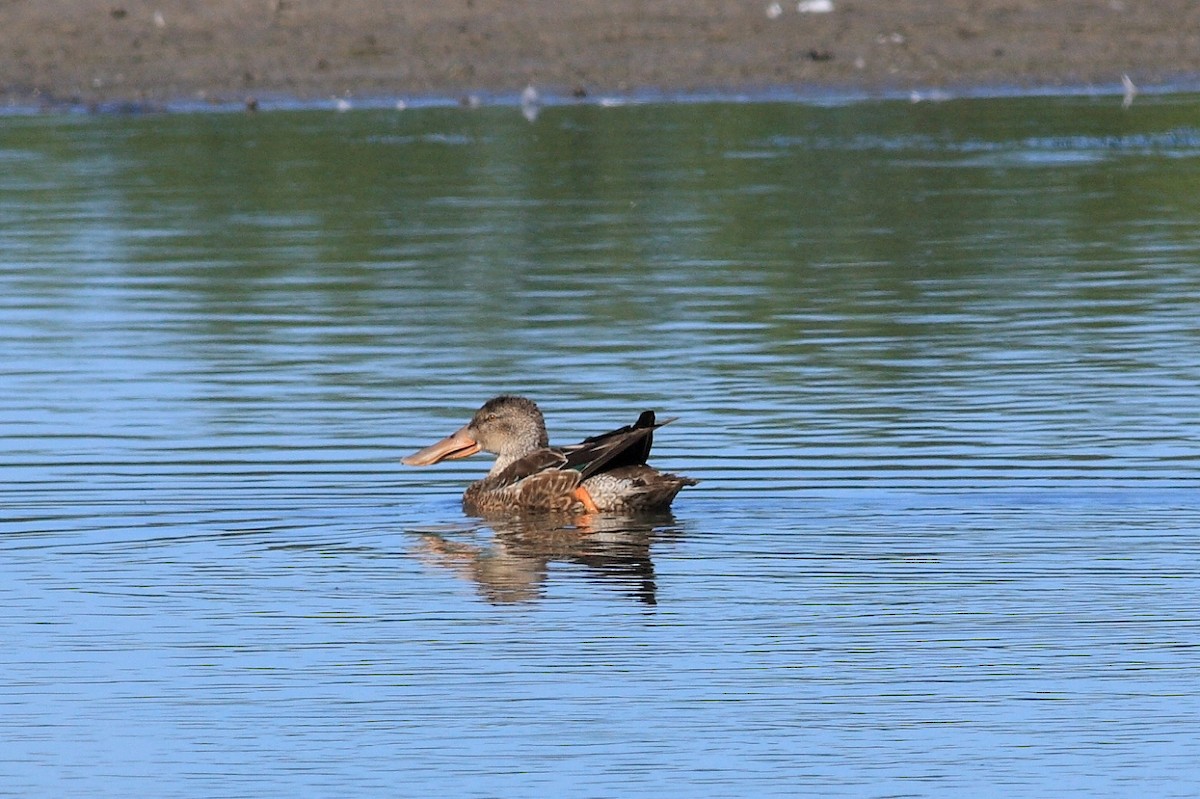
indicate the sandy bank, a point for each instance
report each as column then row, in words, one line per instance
column 161, row 51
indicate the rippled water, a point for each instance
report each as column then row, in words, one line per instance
column 936, row 366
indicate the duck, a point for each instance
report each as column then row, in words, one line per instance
column 605, row 473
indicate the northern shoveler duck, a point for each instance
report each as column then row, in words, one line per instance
column 604, row 473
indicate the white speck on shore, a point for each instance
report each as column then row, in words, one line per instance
column 531, row 103
column 815, row 6
column 1130, row 91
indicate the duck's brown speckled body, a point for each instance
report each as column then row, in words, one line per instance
column 604, row 473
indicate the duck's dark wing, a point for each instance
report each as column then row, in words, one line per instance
column 625, row 446
column 540, row 460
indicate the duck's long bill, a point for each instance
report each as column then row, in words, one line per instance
column 456, row 445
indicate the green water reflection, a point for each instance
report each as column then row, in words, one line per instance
column 860, row 200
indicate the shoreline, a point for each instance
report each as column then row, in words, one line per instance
column 818, row 96
column 178, row 55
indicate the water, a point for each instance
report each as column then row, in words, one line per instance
column 935, row 366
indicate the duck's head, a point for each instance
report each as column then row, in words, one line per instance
column 508, row 426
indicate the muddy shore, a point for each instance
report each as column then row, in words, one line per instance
column 87, row 52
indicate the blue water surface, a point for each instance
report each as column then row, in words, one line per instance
column 934, row 364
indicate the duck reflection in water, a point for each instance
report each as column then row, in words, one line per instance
column 513, row 566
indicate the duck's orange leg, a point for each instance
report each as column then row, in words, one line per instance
column 581, row 494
